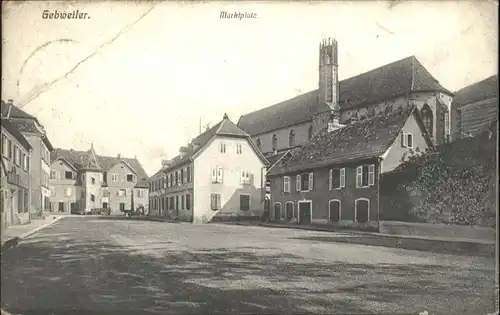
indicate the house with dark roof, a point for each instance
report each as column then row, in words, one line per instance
column 477, row 107
column 382, row 90
column 31, row 128
column 334, row 178
column 218, row 175
column 82, row 180
column 15, row 181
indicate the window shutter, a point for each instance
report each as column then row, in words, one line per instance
column 402, row 140
column 297, row 183
column 311, row 180
column 214, row 175
column 330, row 179
column 371, row 175
column 342, row 177
column 410, row 140
column 220, row 175
column 359, row 176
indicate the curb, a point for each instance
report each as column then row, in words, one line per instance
column 16, row 239
column 452, row 246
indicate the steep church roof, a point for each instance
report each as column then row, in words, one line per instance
column 365, row 139
column 397, row 78
column 482, row 90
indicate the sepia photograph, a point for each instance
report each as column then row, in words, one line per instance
column 249, row 157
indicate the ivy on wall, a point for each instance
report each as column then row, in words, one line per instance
column 455, row 184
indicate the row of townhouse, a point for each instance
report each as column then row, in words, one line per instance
column 25, row 165
column 83, row 180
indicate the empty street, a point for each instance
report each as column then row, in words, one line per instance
column 93, row 264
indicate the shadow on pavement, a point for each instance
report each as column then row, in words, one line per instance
column 433, row 246
column 97, row 277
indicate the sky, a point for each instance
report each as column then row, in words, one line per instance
column 140, row 89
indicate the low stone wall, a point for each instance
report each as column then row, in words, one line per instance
column 437, row 230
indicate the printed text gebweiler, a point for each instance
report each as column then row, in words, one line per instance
column 57, row 15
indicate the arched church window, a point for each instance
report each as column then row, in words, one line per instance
column 291, row 140
column 259, row 144
column 275, row 142
column 310, row 133
column 427, row 118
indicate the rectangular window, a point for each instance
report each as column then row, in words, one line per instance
column 286, row 184
column 188, row 202
column 215, row 201
column 92, row 197
column 336, row 178
column 176, row 178
column 52, row 191
column 181, row 176
column 9, row 148
column 68, row 175
column 406, row 140
column 217, row 175
column 239, row 149
column 4, row 145
column 365, row 175
column 114, row 178
column 23, row 160
column 176, row 202
column 244, row 202
column 92, row 179
column 306, row 181
column 130, row 178
column 188, row 171
column 68, row 192
column 223, row 148
column 53, row 174
column 121, row 193
column 245, row 176
column 182, row 202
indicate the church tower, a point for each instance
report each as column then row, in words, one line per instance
column 328, row 92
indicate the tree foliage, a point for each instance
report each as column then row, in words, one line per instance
column 456, row 184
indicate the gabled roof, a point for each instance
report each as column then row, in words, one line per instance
column 395, row 79
column 65, row 161
column 365, row 139
column 12, row 129
column 15, row 112
column 30, row 126
column 83, row 160
column 482, row 90
column 224, row 128
column 273, row 159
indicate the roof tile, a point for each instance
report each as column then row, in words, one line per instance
column 362, row 140
column 383, row 83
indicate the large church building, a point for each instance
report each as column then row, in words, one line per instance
column 400, row 84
